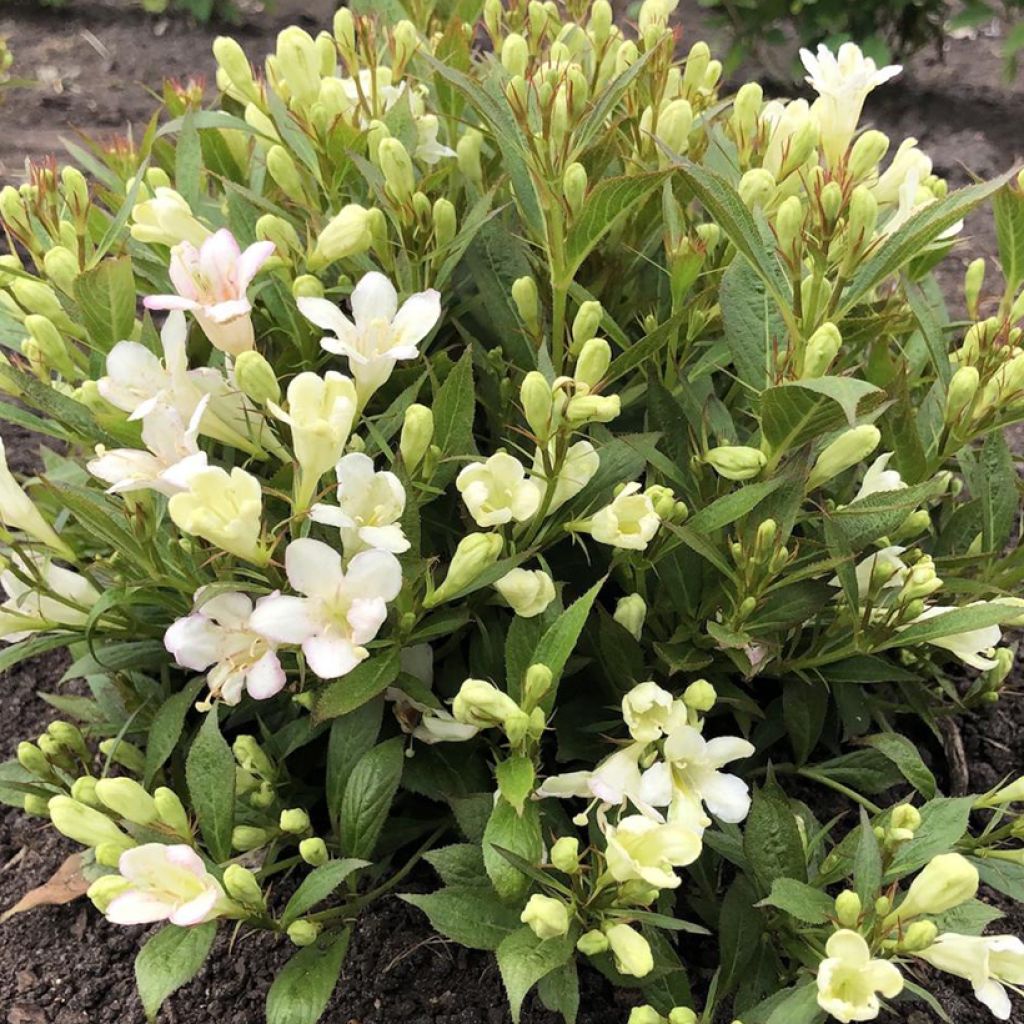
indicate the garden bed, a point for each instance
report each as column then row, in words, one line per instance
column 66, row 965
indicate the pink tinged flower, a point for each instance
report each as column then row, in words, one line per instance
column 167, row 883
column 379, row 333
column 219, row 633
column 340, row 610
column 211, row 283
column 172, row 460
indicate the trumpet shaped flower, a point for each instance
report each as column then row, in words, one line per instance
column 321, row 411
column 879, row 478
column 842, row 81
column 340, row 610
column 211, row 282
column 651, row 712
column 18, row 511
column 580, row 464
column 528, row 591
column 166, row 883
column 171, row 461
column 629, row 522
column 379, row 333
column 640, row 849
column 974, row 647
column 850, row 981
column 369, row 509
column 223, row 508
column 617, row 780
column 166, row 219
column 41, row 595
column 218, row 633
column 498, row 490
column 988, row 962
column 691, row 778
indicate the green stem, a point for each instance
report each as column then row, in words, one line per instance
column 824, row 780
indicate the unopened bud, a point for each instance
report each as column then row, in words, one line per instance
column 565, row 855
column 240, row 884
column 867, row 152
column 757, row 187
column 467, row 151
column 248, row 837
column 736, row 462
column 961, row 392
column 848, row 908
column 700, row 696
column 303, row 932
column 475, row 553
column 592, row 943
column 594, row 359
column 299, row 62
column 586, row 322
column 822, row 348
column 85, row 824
column 789, row 226
column 524, row 295
column 272, row 228
column 294, row 820
column 314, row 851
column 445, row 222
column 574, row 184
column 346, row 234
column 515, row 54
column 285, row 173
column 126, row 798
column 630, row 613
column 396, row 166
column 61, row 266
column 417, row 433
column 974, row 281
column 847, row 450
column 255, row 378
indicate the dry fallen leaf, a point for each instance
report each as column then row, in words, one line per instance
column 66, row 884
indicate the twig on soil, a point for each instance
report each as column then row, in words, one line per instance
column 956, row 757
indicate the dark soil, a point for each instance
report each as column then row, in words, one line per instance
column 94, row 62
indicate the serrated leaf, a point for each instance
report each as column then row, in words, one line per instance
column 361, row 685
column 559, row 641
column 458, row 864
column 867, row 862
column 106, row 301
column 352, row 735
column 771, row 839
column 797, row 412
column 170, row 959
column 165, row 729
column 754, row 328
column 943, row 824
column 453, row 418
column 303, row 988
column 1008, row 207
column 905, row 756
column 516, row 780
column 318, row 885
column 368, row 795
column 471, row 916
column 800, row 900
column 210, row 775
column 523, row 960
column 519, row 833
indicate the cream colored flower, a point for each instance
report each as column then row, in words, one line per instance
column 849, row 981
column 580, row 464
column 18, row 511
column 629, row 522
column 528, row 592
column 650, row 712
column 988, row 962
column 648, row 851
column 498, row 490
column 42, row 595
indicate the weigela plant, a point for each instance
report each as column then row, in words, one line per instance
column 525, row 459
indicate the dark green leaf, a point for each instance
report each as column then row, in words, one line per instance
column 303, row 988
column 210, row 774
column 368, row 795
column 170, row 959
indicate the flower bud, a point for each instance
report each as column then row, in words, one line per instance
column 594, row 359
column 108, row 855
column 757, row 187
column 298, row 60
column 746, row 111
column 961, row 392
column 445, row 222
column 272, row 228
column 125, row 797
column 285, row 172
column 475, row 553
column 848, row 908
column 84, row 824
column 593, row 409
column 344, row 31
column 674, row 124
column 171, row 811
column 586, row 322
column 630, row 613
column 104, row 889
column 36, row 296
column 845, row 451
column 250, row 755
column 258, row 121
column 303, row 932
column 255, row 378
column 61, row 266
column 294, row 820
column 921, row 581
column 645, row 1015
column 417, row 433
column 700, row 696
column 232, row 59
column 565, row 854
column 789, row 227
column 406, row 43
column 946, row 881
column 867, row 152
column 528, row 592
column 592, row 943
column 920, row 935
column 537, row 683
column 905, row 816
column 83, row 789
column 241, row 885
column 862, row 217
column 632, row 952
column 736, row 462
column 574, row 184
column 524, row 295
column 974, row 281
column 467, row 151
column 314, row 851
column 822, row 348
column 396, row 166
column 536, row 397
column 33, row 760
column 482, row 704
column 346, row 234
column 547, row 917
column 515, row 54
column 248, row 837
column 682, row 1015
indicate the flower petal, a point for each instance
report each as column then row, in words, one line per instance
column 313, row 567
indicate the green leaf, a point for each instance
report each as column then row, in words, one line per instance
column 740, row 928
column 318, row 885
column 923, row 228
column 559, row 990
column 359, row 687
column 519, row 833
column 472, row 916
column 523, row 960
column 800, row 900
column 879, row 514
column 970, row 918
column 867, row 862
column 516, row 779
column 458, row 864
column 732, row 506
column 453, row 418
column 799, row 1007
column 905, row 756
column 804, row 706
column 930, row 326
column 1008, row 207
column 959, row 620
column 188, row 160
column 165, row 729
column 303, row 988
column 754, row 329
column 560, row 639
column 609, row 202
column 943, row 824
column 1002, row 875
column 640, row 352
column 170, row 959
column 106, row 301
column 771, row 839
column 368, row 795
column 796, row 412
column 210, row 775
column 352, row 735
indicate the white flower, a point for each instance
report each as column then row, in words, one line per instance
column 842, row 83
column 885, row 561
column 428, row 149
column 849, row 981
column 369, row 509
column 381, row 334
column 691, row 778
column 340, row 610
column 628, row 522
column 908, row 160
column 987, row 962
column 424, row 722
column 173, row 456
column 527, row 592
column 650, row 712
column 974, row 647
column 913, row 197
column 18, row 511
column 879, row 479
column 211, row 282
column 166, row 219
column 41, row 595
column 219, row 633
column 644, row 850
column 498, row 491
column 166, row 883
column 578, row 468
column 616, row 780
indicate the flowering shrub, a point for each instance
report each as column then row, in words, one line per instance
column 539, row 465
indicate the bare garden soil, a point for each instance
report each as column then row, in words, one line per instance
column 97, row 64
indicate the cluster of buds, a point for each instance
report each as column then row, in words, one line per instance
column 482, row 705
column 759, row 559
